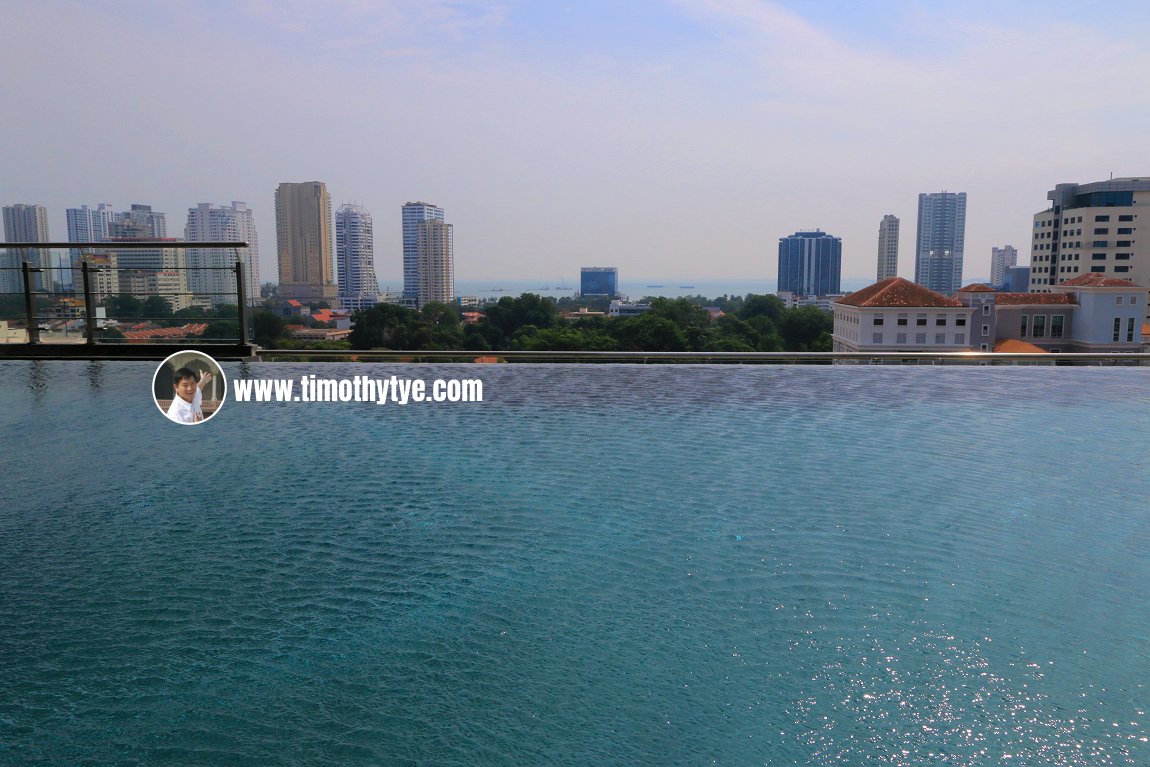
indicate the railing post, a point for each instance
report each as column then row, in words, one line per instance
column 242, row 295
column 29, row 308
column 89, row 304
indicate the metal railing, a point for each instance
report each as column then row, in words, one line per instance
column 33, row 294
column 759, row 358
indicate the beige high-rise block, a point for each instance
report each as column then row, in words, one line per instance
column 887, row 247
column 436, row 263
column 303, row 242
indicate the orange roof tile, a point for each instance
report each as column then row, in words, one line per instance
column 896, row 291
column 1146, row 331
column 977, row 287
column 1095, row 280
column 1022, row 299
column 1014, row 346
column 293, row 302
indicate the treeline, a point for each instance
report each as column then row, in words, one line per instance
column 533, row 323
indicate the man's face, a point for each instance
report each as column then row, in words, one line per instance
column 186, row 389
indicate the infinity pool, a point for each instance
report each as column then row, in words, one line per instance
column 597, row 565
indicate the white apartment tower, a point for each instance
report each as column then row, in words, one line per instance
column 355, row 258
column 415, row 214
column 1002, row 259
column 940, row 241
column 211, row 271
column 887, row 247
column 27, row 223
column 87, row 225
column 157, row 271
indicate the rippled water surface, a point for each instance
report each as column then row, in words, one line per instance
column 598, row 565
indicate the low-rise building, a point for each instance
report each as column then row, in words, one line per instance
column 898, row 315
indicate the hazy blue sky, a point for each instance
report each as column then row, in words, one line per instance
column 676, row 138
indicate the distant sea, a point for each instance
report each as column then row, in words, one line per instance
column 632, row 289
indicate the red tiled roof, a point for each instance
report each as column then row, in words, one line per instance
column 896, row 291
column 293, row 302
column 1146, row 331
column 1023, row 299
column 191, row 329
column 1014, row 346
column 976, row 287
column 1095, row 280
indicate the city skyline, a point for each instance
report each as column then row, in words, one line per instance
column 613, row 134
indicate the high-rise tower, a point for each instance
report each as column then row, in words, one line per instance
column 887, row 247
column 27, row 223
column 1002, row 259
column 211, row 270
column 428, row 255
column 810, row 263
column 939, row 243
column 355, row 258
column 303, row 242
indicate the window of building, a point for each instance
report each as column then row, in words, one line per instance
column 1117, row 328
column 1098, row 268
column 960, row 338
column 1129, row 329
column 920, row 319
column 900, row 338
column 1056, row 325
column 1102, row 218
column 876, row 338
column 986, row 330
column 902, row 319
column 1122, row 243
column 1123, row 268
column 1097, row 256
column 1125, row 230
column 1133, row 300
column 983, row 347
column 920, row 338
column 960, row 321
column 1038, row 328
column 877, row 319
column 1099, row 244
column 940, row 338
column 940, row 320
column 1127, row 217
column 1102, row 230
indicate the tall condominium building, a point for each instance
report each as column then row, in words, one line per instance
column 888, row 247
column 27, row 223
column 414, row 215
column 87, row 225
column 940, row 241
column 1002, row 259
column 355, row 258
column 303, row 242
column 810, row 263
column 1092, row 229
column 599, row 281
column 139, row 223
column 143, row 272
column 211, row 271
column 436, row 263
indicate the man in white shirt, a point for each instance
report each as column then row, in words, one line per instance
column 187, row 406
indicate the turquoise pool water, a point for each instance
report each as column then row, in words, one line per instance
column 597, row 565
